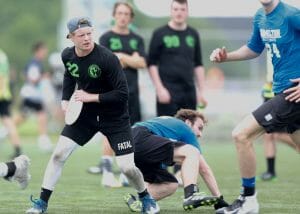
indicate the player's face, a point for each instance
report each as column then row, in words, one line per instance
column 197, row 127
column 82, row 39
column 122, row 16
column 179, row 12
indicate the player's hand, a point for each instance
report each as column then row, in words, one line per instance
column 121, row 57
column 85, row 97
column 218, row 55
column 163, row 96
column 294, row 92
column 64, row 105
column 267, row 91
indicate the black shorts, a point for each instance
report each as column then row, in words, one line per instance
column 152, row 155
column 31, row 105
column 134, row 107
column 179, row 100
column 4, row 108
column 87, row 125
column 278, row 115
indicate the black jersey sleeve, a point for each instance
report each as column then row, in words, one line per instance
column 116, row 78
column 154, row 49
column 103, row 40
column 68, row 81
column 141, row 48
column 198, row 51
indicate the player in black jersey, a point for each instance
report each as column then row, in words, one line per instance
column 129, row 48
column 175, row 64
column 103, row 90
column 174, row 60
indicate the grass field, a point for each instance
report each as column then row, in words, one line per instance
column 79, row 192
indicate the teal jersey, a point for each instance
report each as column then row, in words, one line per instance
column 279, row 32
column 5, row 93
column 171, row 128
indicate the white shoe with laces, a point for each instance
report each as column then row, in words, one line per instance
column 21, row 175
column 242, row 205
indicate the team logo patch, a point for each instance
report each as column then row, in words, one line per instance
column 94, row 71
column 268, row 117
column 190, row 41
column 133, row 44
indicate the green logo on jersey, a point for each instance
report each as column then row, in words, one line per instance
column 115, row 44
column 73, row 69
column 94, row 71
column 171, row 41
column 133, row 43
column 190, row 41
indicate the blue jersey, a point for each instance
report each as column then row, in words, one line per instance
column 171, row 128
column 279, row 32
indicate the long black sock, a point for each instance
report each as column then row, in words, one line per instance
column 45, row 194
column 271, row 165
column 189, row 190
column 11, row 169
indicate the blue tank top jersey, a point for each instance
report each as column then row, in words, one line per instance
column 279, row 32
column 172, row 128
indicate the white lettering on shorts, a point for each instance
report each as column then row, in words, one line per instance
column 124, row 145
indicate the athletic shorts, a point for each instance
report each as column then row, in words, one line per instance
column 179, row 100
column 153, row 154
column 87, row 125
column 4, row 108
column 278, row 115
column 31, row 105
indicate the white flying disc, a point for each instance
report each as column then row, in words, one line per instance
column 73, row 110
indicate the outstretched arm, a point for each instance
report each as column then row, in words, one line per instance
column 243, row 53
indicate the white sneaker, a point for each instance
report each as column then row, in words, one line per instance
column 21, row 175
column 109, row 180
column 242, row 205
column 45, row 144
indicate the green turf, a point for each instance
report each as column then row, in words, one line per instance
column 79, row 192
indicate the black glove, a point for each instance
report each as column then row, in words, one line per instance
column 221, row 203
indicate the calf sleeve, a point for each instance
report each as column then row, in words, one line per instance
column 134, row 175
column 64, row 148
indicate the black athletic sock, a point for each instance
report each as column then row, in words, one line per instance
column 17, row 151
column 143, row 194
column 190, row 190
column 11, row 169
column 248, row 191
column 176, row 168
column 45, row 194
column 271, row 165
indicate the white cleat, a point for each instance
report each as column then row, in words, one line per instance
column 242, row 205
column 21, row 175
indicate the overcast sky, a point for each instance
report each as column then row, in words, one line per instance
column 206, row 8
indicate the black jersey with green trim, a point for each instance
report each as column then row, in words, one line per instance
column 176, row 53
column 128, row 44
column 99, row 72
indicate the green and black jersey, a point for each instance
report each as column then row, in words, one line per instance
column 176, row 53
column 128, row 44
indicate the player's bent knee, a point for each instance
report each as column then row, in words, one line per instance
column 126, row 163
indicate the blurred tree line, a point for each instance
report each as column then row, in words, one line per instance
column 25, row 22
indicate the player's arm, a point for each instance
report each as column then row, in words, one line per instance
column 199, row 72
column 133, row 61
column 163, row 94
column 116, row 78
column 243, row 53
